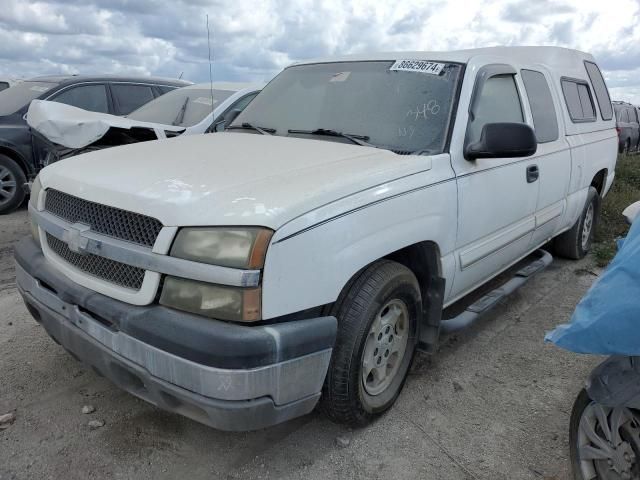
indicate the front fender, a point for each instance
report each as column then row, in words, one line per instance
column 309, row 267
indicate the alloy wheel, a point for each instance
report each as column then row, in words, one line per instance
column 608, row 442
column 385, row 347
column 8, row 185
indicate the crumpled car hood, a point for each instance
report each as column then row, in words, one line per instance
column 74, row 127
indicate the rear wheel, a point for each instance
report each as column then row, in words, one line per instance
column 377, row 335
column 12, row 179
column 576, row 243
column 604, row 441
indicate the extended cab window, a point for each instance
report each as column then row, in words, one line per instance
column 578, row 99
column 497, row 102
column 128, row 97
column 543, row 111
column 87, row 97
column 600, row 89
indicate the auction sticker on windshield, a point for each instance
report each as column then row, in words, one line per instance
column 421, row 66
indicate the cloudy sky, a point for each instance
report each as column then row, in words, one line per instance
column 253, row 40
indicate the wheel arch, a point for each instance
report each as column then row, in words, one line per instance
column 599, row 181
column 423, row 259
column 16, row 157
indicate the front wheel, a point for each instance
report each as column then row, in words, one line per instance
column 378, row 318
column 604, row 441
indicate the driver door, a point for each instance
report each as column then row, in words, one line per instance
column 496, row 196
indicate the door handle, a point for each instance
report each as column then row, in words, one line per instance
column 533, row 172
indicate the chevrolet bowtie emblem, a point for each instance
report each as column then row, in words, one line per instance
column 74, row 238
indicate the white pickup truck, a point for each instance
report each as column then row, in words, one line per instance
column 307, row 252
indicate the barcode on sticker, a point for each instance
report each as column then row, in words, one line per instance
column 421, row 66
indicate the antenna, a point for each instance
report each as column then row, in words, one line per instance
column 180, row 76
column 210, row 63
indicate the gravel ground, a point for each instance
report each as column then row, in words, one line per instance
column 493, row 403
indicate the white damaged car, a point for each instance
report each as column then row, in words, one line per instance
column 62, row 130
column 304, row 255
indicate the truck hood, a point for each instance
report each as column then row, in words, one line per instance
column 228, row 178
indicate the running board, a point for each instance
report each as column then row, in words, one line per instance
column 483, row 305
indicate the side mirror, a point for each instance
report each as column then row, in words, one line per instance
column 503, row 140
column 631, row 212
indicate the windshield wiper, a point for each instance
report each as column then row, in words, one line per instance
column 422, row 152
column 248, row 126
column 180, row 116
column 358, row 139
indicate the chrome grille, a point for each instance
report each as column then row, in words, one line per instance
column 103, row 268
column 111, row 221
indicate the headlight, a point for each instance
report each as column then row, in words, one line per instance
column 235, row 247
column 36, row 187
column 215, row 301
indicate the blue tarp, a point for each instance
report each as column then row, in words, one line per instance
column 607, row 319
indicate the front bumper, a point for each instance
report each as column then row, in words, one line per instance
column 228, row 376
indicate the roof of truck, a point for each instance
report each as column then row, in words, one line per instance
column 60, row 79
column 552, row 56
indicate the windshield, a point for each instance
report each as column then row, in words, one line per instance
column 397, row 105
column 14, row 98
column 184, row 107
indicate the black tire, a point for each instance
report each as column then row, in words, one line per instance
column 582, row 401
column 570, row 243
column 12, row 180
column 345, row 397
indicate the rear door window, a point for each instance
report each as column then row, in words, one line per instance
column 88, row 97
column 545, row 122
column 600, row 89
column 498, row 102
column 578, row 100
column 4, row 85
column 128, row 97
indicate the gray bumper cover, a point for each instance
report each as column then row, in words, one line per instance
column 228, row 399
